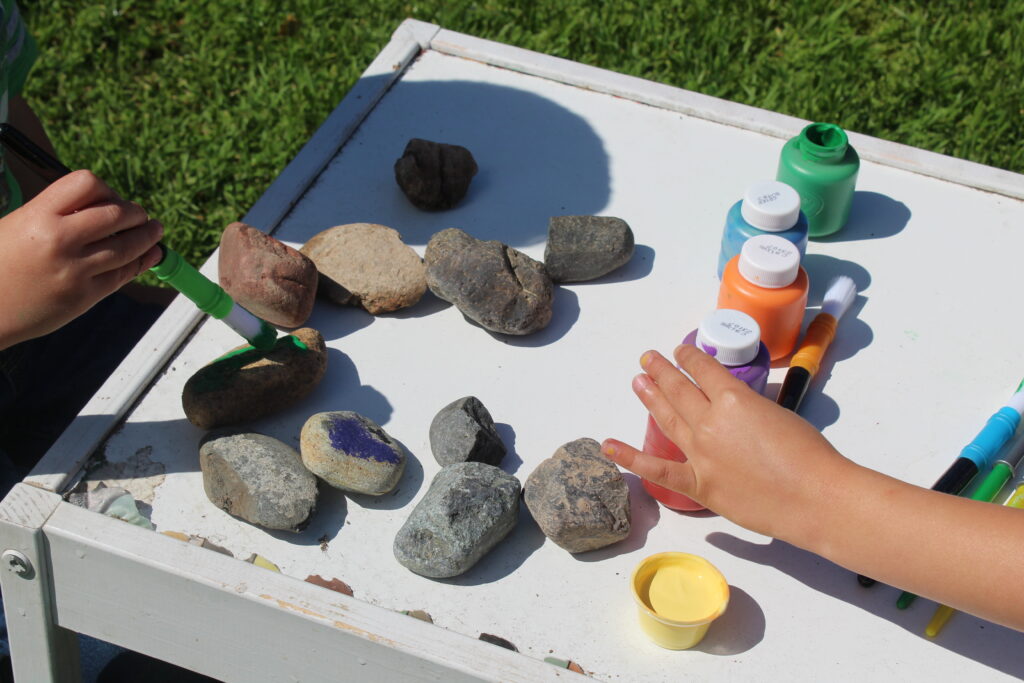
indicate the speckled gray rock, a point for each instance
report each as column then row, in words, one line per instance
column 367, row 265
column 266, row 276
column 257, row 478
column 586, row 247
column 463, row 431
column 246, row 384
column 434, row 175
column 578, row 498
column 467, row 510
column 499, row 287
column 351, row 452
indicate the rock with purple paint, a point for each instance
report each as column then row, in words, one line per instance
column 468, row 509
column 351, row 452
column 434, row 175
column 463, row 431
column 579, row 498
column 246, row 384
column 496, row 286
column 367, row 265
column 266, row 276
column 583, row 248
column 257, row 478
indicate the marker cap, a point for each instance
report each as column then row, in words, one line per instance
column 731, row 337
column 771, row 205
column 769, row 261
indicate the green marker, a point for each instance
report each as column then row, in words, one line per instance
column 172, row 268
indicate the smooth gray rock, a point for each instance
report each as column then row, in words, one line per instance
column 467, row 510
column 578, row 498
column 463, row 431
column 351, row 452
column 257, row 478
column 499, row 287
column 583, row 248
column 434, row 175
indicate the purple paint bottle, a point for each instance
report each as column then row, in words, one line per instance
column 734, row 339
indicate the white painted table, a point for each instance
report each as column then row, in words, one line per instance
column 922, row 360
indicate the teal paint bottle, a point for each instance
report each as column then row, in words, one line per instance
column 767, row 208
column 821, row 165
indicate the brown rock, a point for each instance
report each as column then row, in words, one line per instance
column 266, row 276
column 368, row 265
column 434, row 175
column 336, row 585
column 246, row 384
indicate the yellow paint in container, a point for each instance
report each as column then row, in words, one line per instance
column 678, row 596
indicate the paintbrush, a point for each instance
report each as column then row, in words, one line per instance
column 172, row 268
column 820, row 333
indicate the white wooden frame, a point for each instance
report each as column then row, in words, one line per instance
column 88, row 573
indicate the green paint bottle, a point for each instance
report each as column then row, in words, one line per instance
column 822, row 166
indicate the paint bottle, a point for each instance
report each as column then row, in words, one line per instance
column 821, row 165
column 734, row 339
column 768, row 207
column 766, row 282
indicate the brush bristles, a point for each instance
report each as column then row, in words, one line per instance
column 841, row 293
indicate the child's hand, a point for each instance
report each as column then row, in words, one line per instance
column 749, row 460
column 63, row 251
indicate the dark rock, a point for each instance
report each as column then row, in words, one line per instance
column 499, row 287
column 367, row 265
column 246, row 384
column 578, row 498
column 434, row 175
column 499, row 641
column 467, row 510
column 351, row 452
column 586, row 247
column 463, row 431
column 258, row 479
column 266, row 276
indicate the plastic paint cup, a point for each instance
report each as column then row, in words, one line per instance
column 678, row 595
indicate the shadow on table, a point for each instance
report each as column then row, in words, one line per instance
column 872, row 216
column 998, row 647
column 739, row 629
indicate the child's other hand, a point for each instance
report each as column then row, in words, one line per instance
column 749, row 459
column 63, row 251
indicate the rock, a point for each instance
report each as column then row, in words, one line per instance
column 499, row 287
column 463, row 431
column 336, row 585
column 434, row 175
column 499, row 641
column 586, row 247
column 247, row 384
column 257, row 478
column 367, row 265
column 467, row 510
column 578, row 498
column 419, row 614
column 266, row 276
column 351, row 452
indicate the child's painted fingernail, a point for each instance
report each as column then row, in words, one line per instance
column 609, row 450
column 645, row 359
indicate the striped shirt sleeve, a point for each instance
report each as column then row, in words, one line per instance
column 20, row 48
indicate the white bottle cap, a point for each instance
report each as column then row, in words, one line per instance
column 769, row 261
column 732, row 337
column 771, row 205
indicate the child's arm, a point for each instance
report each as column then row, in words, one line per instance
column 63, row 251
column 767, row 469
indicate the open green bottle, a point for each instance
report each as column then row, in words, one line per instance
column 821, row 165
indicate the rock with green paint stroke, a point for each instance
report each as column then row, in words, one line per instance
column 246, row 384
column 257, row 478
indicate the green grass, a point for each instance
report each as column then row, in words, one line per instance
column 192, row 108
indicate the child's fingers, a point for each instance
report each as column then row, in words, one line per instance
column 124, row 248
column 677, row 476
column 112, row 280
column 671, row 423
column 710, row 375
column 680, row 391
column 75, row 191
column 102, row 219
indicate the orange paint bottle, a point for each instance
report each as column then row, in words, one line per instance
column 766, row 282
